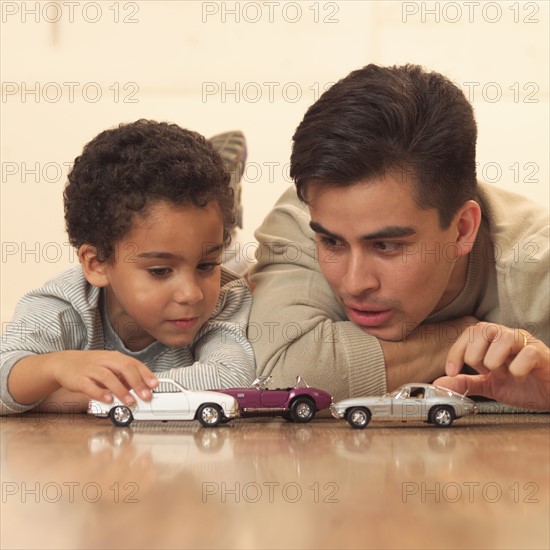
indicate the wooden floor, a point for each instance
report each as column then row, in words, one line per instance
column 77, row 482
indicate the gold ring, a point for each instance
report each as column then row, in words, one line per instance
column 525, row 341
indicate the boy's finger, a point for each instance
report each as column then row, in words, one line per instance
column 95, row 391
column 141, row 379
column 135, row 375
column 147, row 375
column 111, row 381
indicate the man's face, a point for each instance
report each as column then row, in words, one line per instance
column 165, row 280
column 387, row 261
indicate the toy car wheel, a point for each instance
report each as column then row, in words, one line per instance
column 209, row 415
column 442, row 416
column 302, row 410
column 358, row 417
column 121, row 416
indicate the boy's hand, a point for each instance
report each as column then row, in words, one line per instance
column 96, row 374
column 102, row 374
column 514, row 366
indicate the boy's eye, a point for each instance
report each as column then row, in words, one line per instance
column 208, row 266
column 159, row 272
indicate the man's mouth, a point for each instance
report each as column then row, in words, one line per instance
column 370, row 316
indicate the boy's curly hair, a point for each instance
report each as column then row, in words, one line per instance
column 124, row 170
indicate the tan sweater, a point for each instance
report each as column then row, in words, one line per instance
column 298, row 327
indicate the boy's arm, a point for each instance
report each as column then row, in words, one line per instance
column 297, row 327
column 42, row 324
column 42, row 351
column 98, row 374
column 224, row 356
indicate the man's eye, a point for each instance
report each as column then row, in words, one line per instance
column 387, row 247
column 208, row 266
column 329, row 243
column 159, row 272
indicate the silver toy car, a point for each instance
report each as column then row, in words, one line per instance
column 208, row 407
column 433, row 404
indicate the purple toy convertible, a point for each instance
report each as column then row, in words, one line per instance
column 296, row 404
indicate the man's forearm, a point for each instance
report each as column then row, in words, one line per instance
column 421, row 356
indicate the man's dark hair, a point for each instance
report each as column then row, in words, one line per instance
column 403, row 120
column 124, row 171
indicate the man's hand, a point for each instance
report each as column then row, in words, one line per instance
column 514, row 366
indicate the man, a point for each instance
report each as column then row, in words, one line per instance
column 389, row 263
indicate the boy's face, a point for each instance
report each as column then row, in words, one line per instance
column 165, row 279
column 388, row 261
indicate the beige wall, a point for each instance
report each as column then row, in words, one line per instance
column 70, row 70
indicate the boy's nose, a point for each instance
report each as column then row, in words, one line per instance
column 188, row 292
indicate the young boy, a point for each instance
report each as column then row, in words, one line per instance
column 149, row 208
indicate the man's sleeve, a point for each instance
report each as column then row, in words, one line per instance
column 296, row 325
column 223, row 356
column 527, row 285
column 41, row 324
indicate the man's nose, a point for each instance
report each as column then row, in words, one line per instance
column 360, row 276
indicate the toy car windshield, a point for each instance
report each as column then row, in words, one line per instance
column 261, row 382
column 395, row 393
column 300, row 383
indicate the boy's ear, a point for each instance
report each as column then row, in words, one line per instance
column 468, row 221
column 94, row 269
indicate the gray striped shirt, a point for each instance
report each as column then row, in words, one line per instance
column 67, row 314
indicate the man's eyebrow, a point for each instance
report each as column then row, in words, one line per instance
column 388, row 232
column 318, row 228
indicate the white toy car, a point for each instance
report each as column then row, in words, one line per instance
column 208, row 407
column 414, row 401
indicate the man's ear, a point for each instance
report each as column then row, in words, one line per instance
column 94, row 269
column 468, row 221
